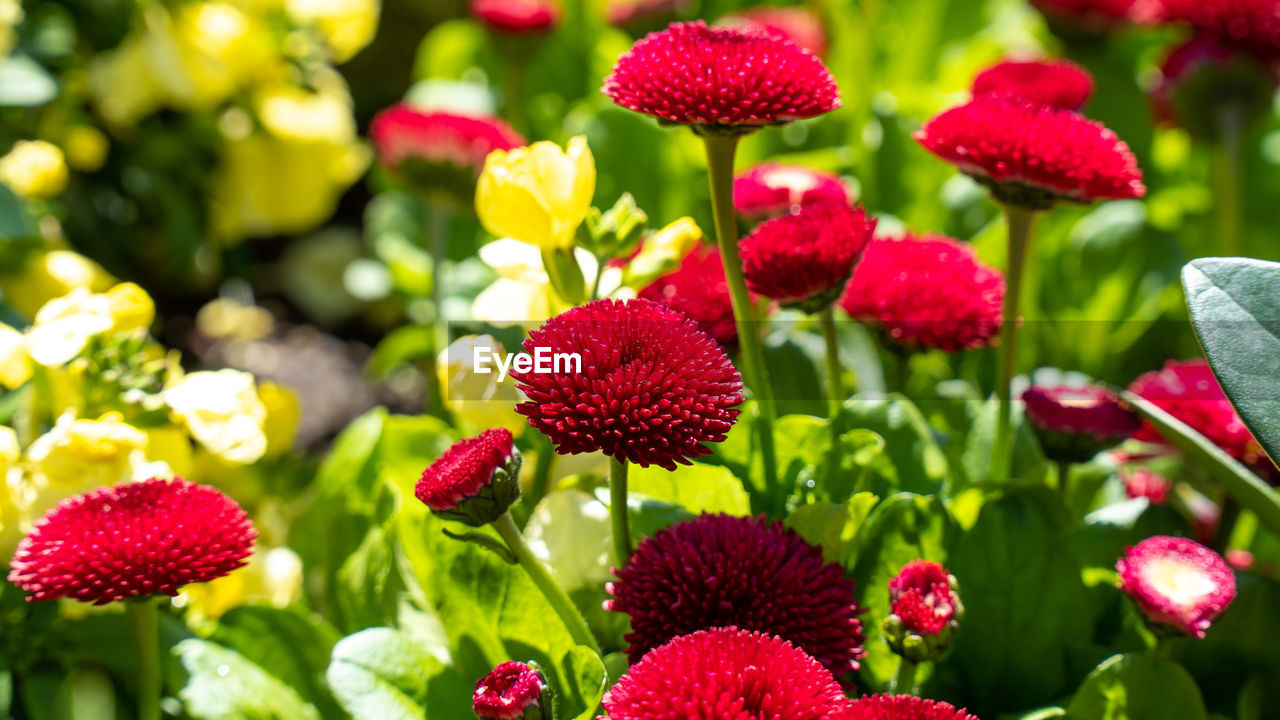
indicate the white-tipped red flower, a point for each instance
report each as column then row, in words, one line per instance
column 1075, row 423
column 1177, row 582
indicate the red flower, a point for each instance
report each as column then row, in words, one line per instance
column 717, row 570
column 474, row 481
column 797, row 24
column 921, row 595
column 505, row 693
column 905, row 707
column 132, row 540
column 1060, row 83
column 651, row 387
column 1189, row 392
column 402, row 134
column 724, row 674
column 928, row 291
column 1253, row 25
column 1076, row 423
column 721, row 77
column 699, row 289
column 1145, row 483
column 517, row 16
column 803, row 259
column 773, row 189
column 1032, row 155
column 1177, row 582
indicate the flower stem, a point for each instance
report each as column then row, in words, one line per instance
column 557, row 598
column 904, row 681
column 618, row 510
column 1019, row 220
column 144, row 626
column 835, row 388
column 720, row 152
column 1064, row 482
column 1227, row 184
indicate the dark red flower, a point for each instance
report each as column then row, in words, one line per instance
column 651, row 388
column 517, row 16
column 773, row 189
column 921, row 595
column 1177, row 582
column 474, row 481
column 1060, row 83
column 1202, row 76
column 132, row 540
column 721, row 77
column 1032, row 155
column 1188, row 391
column 435, row 148
column 1146, row 483
column 797, row 24
column 1076, row 423
column 905, row 707
column 803, row 259
column 699, row 289
column 1253, row 25
column 926, row 291
column 727, row 674
column 717, row 570
column 507, row 691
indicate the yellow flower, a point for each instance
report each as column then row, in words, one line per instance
column 273, row 576
column 476, row 397
column 347, row 25
column 15, row 364
column 86, row 148
column 283, row 413
column 170, row 446
column 51, row 274
column 222, row 412
column 131, row 308
column 76, row 456
column 121, row 84
column 662, row 252
column 34, row 169
column 537, row 194
column 204, row 52
column 65, row 325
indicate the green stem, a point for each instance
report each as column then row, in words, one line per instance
column 555, row 596
column 720, row 151
column 1019, row 220
column 1228, row 195
column 1064, row 482
column 144, row 625
column 904, row 681
column 618, row 510
column 835, row 388
column 1163, row 649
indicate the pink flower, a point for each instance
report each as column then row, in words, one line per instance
column 1076, row 423
column 1177, row 582
column 1144, row 482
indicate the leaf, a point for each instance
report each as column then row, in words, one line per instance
column 24, row 83
column 1241, row 484
column 833, row 527
column 222, row 684
column 1235, row 310
column 912, row 460
column 380, row 674
column 697, row 488
column 290, row 643
column 1135, row 686
column 1239, row 643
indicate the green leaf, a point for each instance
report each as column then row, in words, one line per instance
column 381, row 674
column 833, row 527
column 24, row 83
column 697, row 488
column 290, row 643
column 1235, row 309
column 912, row 460
column 87, row 694
column 1241, row 484
column 1135, row 686
column 222, row 684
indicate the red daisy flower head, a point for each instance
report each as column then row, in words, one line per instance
column 1032, row 155
column 517, row 17
column 1188, row 391
column 727, row 673
column 1146, row 483
column 926, row 291
column 1177, row 582
column 1076, row 423
column 132, row 540
column 721, row 79
column 509, row 690
column 1202, row 76
column 475, row 481
column 773, row 189
column 905, row 707
column 717, row 570
column 925, row 608
column 648, row 385
column 803, row 259
column 1059, row 83
column 699, row 289
column 797, row 24
column 1253, row 25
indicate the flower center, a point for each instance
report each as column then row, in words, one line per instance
column 1180, row 582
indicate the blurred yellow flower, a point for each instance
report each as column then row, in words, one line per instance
column 65, row 325
column 228, row 318
column 662, row 252
column 34, row 169
column 51, row 274
column 131, row 307
column 273, row 576
column 204, row 52
column 171, row 446
column 76, row 456
column 537, row 194
column 86, row 148
column 281, row 422
column 15, row 364
column 523, row 292
column 222, row 412
column 347, row 25
column 121, row 84
column 474, row 397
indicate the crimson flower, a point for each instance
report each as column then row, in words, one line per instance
column 651, row 388
column 773, row 188
column 729, row 674
column 925, row 611
column 507, row 691
column 721, row 78
column 475, row 480
column 803, row 259
column 698, row 288
column 132, row 540
column 717, row 570
column 905, row 707
column 797, row 24
column 1032, row 155
column 926, row 291
column 517, row 17
column 1059, row 83
column 1253, row 25
column 1177, row 582
column 1076, row 423
column 1146, row 483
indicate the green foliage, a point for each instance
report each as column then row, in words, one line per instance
column 1136, row 686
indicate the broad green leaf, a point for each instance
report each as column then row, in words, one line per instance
column 833, row 527
column 289, row 643
column 381, row 674
column 1235, row 309
column 1028, row 462
column 222, row 683
column 912, row 460
column 697, row 488
column 1135, row 686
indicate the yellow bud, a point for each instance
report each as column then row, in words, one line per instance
column 283, row 413
column 34, row 169
column 131, row 307
column 15, row 364
column 537, row 194
column 662, row 252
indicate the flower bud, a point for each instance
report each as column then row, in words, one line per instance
column 925, row 608
column 475, row 481
column 513, row 690
column 1074, row 424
